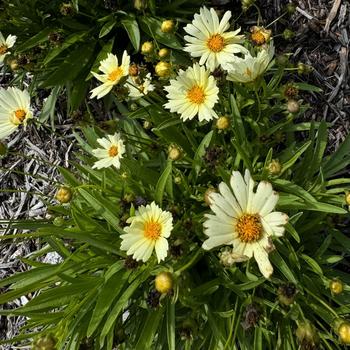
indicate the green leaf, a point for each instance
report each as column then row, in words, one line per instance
column 281, row 265
column 132, row 28
column 170, row 323
column 48, row 110
column 35, row 40
column 198, row 157
column 162, row 182
column 107, row 27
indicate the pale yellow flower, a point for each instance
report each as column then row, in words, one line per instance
column 209, row 39
column 112, row 74
column 15, row 110
column 245, row 219
column 193, row 92
column 148, row 230
column 5, row 45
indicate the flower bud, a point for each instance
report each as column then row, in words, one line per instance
column 306, row 334
column 164, row 282
column 163, row 69
column 64, row 194
column 347, row 196
column 134, row 70
column 140, row 4
column 303, row 68
column 336, row 286
column 147, row 124
column 223, row 122
column 344, row 332
column 58, row 221
column 246, row 4
column 174, row 152
column 47, row 342
column 167, row 26
column 290, row 91
column 164, row 52
column 293, row 106
column 288, row 34
column 282, row 60
column 274, row 167
column 13, row 65
column 177, row 180
column 207, row 194
column 147, row 48
column 291, row 8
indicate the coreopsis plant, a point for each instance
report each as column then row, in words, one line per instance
column 209, row 219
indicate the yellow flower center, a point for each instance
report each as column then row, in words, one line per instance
column 216, row 43
column 196, row 94
column 249, row 228
column 116, row 74
column 113, row 151
column 20, row 115
column 3, row 49
column 152, row 229
column 258, row 38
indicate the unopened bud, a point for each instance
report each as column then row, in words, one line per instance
column 304, row 68
column 147, row 47
column 288, row 34
column 347, row 197
column 286, row 294
column 291, row 8
column 58, row 221
column 47, row 342
column 336, row 286
column 223, row 123
column 274, row 167
column 207, row 194
column 164, row 282
column 344, row 332
column 163, row 69
column 174, row 152
column 293, row 106
column 246, row 4
column 13, row 65
column 162, row 53
column 167, row 26
column 64, row 194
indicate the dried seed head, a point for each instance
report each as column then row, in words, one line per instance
column 164, row 282
column 67, row 9
column 286, row 294
column 134, row 70
column 153, row 299
column 290, row 91
column 251, row 316
column 64, row 194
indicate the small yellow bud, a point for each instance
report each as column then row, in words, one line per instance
column 147, row 47
column 293, row 106
column 274, row 167
column 347, row 198
column 164, row 282
column 177, row 180
column 344, row 332
column 167, row 26
column 162, row 53
column 336, row 286
column 64, row 194
column 163, row 69
column 207, row 194
column 223, row 123
column 174, row 152
column 14, row 64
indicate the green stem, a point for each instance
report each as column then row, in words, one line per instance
column 190, row 263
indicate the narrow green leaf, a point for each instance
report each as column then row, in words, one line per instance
column 162, row 182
